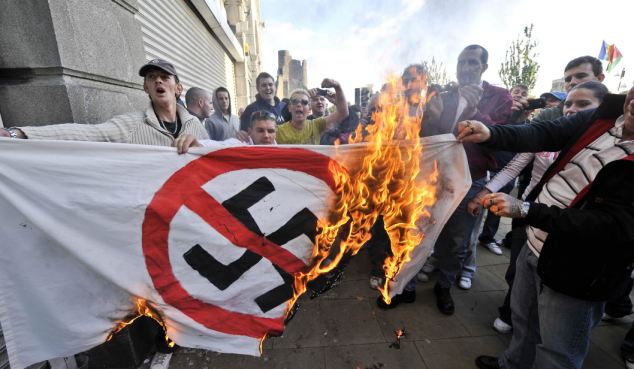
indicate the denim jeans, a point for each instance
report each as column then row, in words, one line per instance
column 489, row 229
column 453, row 242
column 492, row 222
column 550, row 330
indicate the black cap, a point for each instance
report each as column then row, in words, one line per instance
column 157, row 64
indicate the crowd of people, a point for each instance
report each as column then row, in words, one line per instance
column 570, row 154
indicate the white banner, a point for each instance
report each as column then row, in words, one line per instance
column 209, row 238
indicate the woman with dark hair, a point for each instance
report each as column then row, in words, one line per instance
column 584, row 96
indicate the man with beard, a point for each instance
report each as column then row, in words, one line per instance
column 475, row 99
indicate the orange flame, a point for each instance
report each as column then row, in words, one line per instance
column 386, row 184
column 142, row 309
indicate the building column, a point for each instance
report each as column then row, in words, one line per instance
column 69, row 61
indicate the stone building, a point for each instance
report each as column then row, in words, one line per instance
column 557, row 85
column 78, row 60
column 362, row 97
column 291, row 73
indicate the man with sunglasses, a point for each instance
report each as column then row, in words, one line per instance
column 303, row 131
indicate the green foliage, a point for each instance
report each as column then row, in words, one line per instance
column 519, row 66
column 436, row 72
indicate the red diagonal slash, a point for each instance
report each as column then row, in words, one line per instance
column 184, row 188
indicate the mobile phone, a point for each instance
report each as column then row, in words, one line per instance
column 536, row 104
column 322, row 92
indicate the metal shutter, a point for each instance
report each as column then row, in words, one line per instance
column 172, row 31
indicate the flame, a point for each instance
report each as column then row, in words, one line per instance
column 142, row 309
column 386, row 184
column 262, row 342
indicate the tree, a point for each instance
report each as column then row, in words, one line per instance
column 519, row 66
column 436, row 72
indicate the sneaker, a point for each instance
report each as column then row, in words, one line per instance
column 616, row 319
column 376, row 282
column 493, row 247
column 422, row 277
column 629, row 362
column 501, row 327
column 428, row 267
column 465, row 283
column 405, row 297
column 443, row 300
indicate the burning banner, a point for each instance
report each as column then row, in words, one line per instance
column 215, row 240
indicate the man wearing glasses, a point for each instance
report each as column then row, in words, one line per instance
column 303, row 131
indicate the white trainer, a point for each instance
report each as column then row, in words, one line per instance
column 501, row 327
column 465, row 283
column 422, row 277
column 428, row 267
column 493, row 247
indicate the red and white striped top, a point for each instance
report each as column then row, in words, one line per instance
column 564, row 186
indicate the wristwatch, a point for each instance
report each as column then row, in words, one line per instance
column 524, row 209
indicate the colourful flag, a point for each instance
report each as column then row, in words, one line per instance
column 603, row 54
column 611, row 54
column 614, row 58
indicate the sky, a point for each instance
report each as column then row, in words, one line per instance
column 360, row 42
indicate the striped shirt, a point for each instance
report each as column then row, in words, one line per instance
column 564, row 186
column 141, row 128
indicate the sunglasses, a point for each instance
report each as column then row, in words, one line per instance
column 299, row 101
column 262, row 114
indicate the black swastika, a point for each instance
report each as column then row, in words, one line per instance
column 222, row 276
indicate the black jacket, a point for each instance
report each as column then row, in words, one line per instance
column 590, row 246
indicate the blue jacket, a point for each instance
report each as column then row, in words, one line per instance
column 259, row 104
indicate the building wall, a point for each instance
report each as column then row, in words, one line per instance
column 69, row 61
column 244, row 18
column 78, row 60
column 291, row 74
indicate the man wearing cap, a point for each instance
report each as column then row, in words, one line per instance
column 553, row 99
column 159, row 124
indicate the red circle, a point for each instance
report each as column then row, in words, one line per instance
column 184, row 188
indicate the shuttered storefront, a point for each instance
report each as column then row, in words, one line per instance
column 174, row 32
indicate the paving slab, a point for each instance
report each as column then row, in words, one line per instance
column 309, row 358
column 457, row 353
column 421, row 319
column 328, row 322
column 477, row 311
column 376, row 356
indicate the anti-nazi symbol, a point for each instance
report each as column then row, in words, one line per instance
column 232, row 220
column 222, row 276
